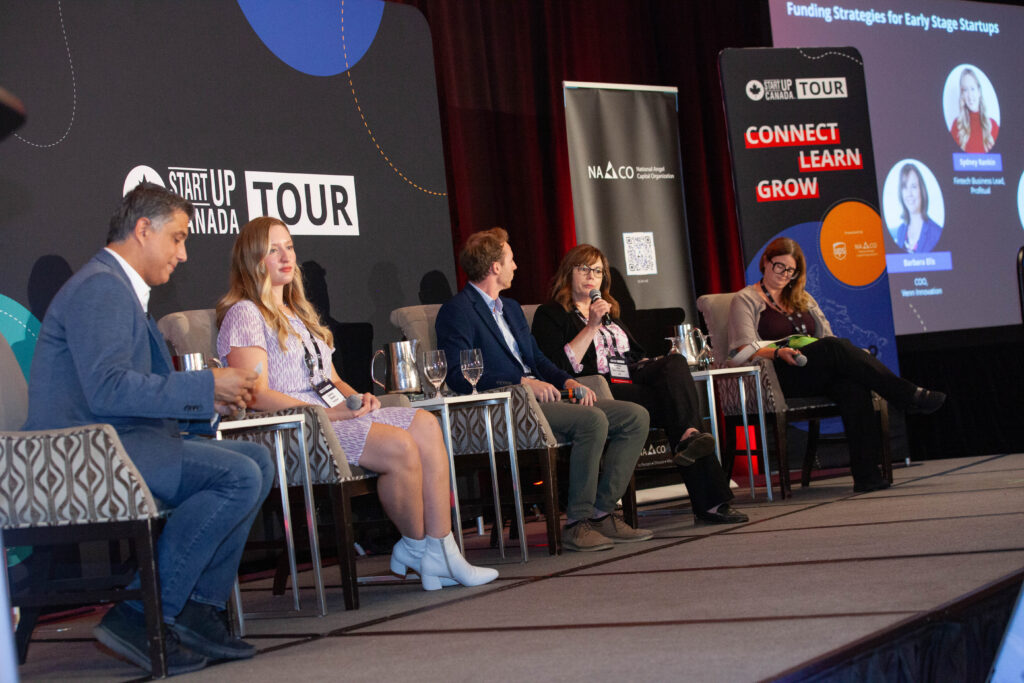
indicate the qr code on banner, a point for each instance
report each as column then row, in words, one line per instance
column 640, row 257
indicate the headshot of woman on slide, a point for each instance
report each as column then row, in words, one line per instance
column 917, row 233
column 972, row 129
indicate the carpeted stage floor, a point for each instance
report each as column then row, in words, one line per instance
column 804, row 578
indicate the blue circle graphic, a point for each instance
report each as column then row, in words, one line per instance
column 316, row 37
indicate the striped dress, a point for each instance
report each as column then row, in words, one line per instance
column 244, row 325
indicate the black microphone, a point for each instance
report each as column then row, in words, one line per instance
column 576, row 393
column 595, row 294
column 354, row 402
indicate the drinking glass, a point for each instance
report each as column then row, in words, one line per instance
column 472, row 363
column 435, row 369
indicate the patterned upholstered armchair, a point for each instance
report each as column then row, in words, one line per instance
column 715, row 309
column 534, row 439
column 67, row 486
column 196, row 332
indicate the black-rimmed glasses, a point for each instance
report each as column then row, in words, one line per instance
column 587, row 270
column 780, row 268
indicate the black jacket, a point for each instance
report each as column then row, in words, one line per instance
column 554, row 327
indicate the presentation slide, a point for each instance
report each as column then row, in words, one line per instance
column 946, row 101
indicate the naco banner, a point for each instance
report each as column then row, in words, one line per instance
column 627, row 189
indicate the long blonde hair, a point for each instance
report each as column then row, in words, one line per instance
column 963, row 119
column 250, row 282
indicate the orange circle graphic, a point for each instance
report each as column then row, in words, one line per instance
column 851, row 243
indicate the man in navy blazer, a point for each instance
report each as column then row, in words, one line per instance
column 100, row 358
column 477, row 317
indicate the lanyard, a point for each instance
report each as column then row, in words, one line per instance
column 603, row 330
column 800, row 326
column 309, row 358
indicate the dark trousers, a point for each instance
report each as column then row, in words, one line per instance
column 847, row 375
column 665, row 387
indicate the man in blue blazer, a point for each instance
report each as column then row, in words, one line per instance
column 100, row 358
column 477, row 317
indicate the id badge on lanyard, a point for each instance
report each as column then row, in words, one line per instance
column 326, row 388
column 329, row 393
column 619, row 371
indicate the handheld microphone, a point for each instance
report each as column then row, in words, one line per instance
column 595, row 294
column 800, row 360
column 575, row 392
column 354, row 402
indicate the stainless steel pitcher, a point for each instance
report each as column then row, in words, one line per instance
column 401, row 376
column 693, row 344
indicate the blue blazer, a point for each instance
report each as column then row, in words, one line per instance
column 930, row 234
column 101, row 358
column 465, row 322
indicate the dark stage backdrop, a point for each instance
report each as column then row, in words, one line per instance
column 320, row 112
column 500, row 66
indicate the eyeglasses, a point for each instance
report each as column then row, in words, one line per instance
column 780, row 269
column 587, row 270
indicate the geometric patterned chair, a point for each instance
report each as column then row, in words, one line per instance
column 67, row 486
column 196, row 332
column 534, row 439
column 535, row 442
column 330, row 473
column 715, row 309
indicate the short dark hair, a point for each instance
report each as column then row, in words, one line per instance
column 146, row 200
column 480, row 251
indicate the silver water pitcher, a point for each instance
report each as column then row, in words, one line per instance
column 401, row 376
column 693, row 344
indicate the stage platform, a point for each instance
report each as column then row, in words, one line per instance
column 805, row 580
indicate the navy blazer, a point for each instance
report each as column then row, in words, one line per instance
column 100, row 358
column 465, row 322
column 930, row 234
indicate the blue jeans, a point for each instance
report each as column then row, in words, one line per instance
column 222, row 486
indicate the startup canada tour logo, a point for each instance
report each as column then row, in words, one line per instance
column 308, row 203
column 777, row 89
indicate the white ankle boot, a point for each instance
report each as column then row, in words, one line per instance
column 407, row 555
column 443, row 561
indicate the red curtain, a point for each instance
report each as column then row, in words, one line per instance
column 500, row 66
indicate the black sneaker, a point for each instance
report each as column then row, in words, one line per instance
column 123, row 630
column 204, row 629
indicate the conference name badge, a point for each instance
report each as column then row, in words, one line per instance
column 619, row 371
column 329, row 393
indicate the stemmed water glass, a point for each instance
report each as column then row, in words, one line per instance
column 472, row 363
column 435, row 369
